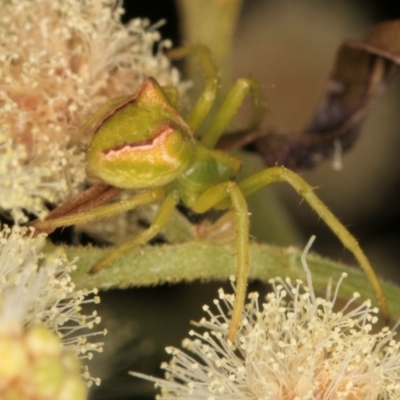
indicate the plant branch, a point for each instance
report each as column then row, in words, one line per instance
column 155, row 265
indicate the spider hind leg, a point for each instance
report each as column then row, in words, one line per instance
column 281, row 174
column 230, row 194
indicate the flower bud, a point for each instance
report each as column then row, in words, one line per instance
column 34, row 365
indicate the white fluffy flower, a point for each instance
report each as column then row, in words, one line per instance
column 36, row 290
column 60, row 61
column 292, row 347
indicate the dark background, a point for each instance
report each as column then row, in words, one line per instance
column 166, row 9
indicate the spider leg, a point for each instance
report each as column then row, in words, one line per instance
column 93, row 197
column 162, row 217
column 234, row 99
column 207, row 98
column 238, row 202
column 228, row 194
column 280, row 174
column 172, row 94
column 48, row 225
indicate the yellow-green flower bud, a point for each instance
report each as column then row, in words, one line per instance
column 13, row 358
column 34, row 365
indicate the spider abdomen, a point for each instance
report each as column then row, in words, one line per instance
column 143, row 143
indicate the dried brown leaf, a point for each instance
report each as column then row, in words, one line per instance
column 360, row 73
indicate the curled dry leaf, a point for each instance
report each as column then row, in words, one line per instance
column 360, row 73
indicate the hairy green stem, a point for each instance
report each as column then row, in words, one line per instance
column 154, row 265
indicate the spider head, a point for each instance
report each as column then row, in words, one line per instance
column 141, row 143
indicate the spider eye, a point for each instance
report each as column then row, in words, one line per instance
column 142, row 143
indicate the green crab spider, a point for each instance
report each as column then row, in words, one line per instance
column 141, row 142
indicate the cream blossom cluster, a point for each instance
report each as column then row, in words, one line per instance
column 293, row 346
column 25, row 186
column 36, row 291
column 59, row 61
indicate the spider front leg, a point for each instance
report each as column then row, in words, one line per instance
column 48, row 225
column 150, row 196
column 162, row 217
column 91, row 198
column 206, row 201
